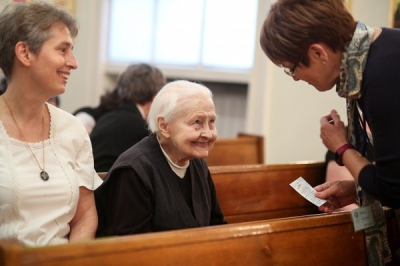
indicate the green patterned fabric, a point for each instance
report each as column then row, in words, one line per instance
column 351, row 71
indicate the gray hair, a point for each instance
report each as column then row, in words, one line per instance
column 29, row 23
column 168, row 102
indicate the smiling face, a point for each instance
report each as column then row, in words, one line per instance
column 193, row 133
column 52, row 66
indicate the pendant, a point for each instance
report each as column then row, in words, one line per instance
column 44, row 175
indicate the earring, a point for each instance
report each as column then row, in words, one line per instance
column 323, row 62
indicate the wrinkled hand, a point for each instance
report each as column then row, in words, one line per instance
column 333, row 132
column 338, row 194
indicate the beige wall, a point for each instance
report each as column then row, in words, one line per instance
column 287, row 113
column 85, row 84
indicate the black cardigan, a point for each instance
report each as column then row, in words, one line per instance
column 141, row 194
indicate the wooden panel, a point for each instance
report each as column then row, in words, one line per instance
column 245, row 149
column 309, row 240
column 254, row 192
column 102, row 175
column 259, row 192
column 10, row 253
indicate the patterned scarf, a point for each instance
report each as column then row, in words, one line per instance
column 351, row 71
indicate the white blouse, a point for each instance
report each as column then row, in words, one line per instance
column 37, row 212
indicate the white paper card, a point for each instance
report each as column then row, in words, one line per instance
column 307, row 191
column 362, row 218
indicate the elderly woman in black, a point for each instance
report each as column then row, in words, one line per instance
column 163, row 182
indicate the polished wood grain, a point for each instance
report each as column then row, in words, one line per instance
column 308, row 240
column 245, row 149
column 256, row 192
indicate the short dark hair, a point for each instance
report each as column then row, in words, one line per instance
column 293, row 25
column 139, row 83
column 3, row 85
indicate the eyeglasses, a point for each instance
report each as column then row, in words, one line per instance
column 290, row 71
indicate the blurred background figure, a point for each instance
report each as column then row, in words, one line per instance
column 3, row 85
column 89, row 115
column 54, row 101
column 119, row 129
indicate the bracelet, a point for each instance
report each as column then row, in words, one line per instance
column 339, row 152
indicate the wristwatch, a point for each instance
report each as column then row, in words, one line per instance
column 339, row 152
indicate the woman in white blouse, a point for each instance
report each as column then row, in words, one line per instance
column 47, row 176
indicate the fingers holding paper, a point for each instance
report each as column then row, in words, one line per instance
column 337, row 193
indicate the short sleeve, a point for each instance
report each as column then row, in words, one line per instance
column 84, row 168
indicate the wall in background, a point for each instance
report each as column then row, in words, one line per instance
column 285, row 112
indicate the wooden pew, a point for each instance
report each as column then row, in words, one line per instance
column 308, row 240
column 245, row 149
column 258, row 192
column 102, row 175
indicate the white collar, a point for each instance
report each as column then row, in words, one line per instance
column 178, row 170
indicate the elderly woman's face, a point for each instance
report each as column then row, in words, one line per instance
column 193, row 133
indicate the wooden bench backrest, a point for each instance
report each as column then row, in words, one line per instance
column 102, row 175
column 256, row 192
column 308, row 240
column 245, row 149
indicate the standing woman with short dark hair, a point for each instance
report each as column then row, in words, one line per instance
column 46, row 164
column 319, row 42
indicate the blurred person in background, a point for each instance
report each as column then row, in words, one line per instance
column 117, row 130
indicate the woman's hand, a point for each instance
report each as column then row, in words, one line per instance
column 337, row 193
column 333, row 131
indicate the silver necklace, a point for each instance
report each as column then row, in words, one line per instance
column 43, row 174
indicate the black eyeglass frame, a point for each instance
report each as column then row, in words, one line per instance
column 290, row 71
